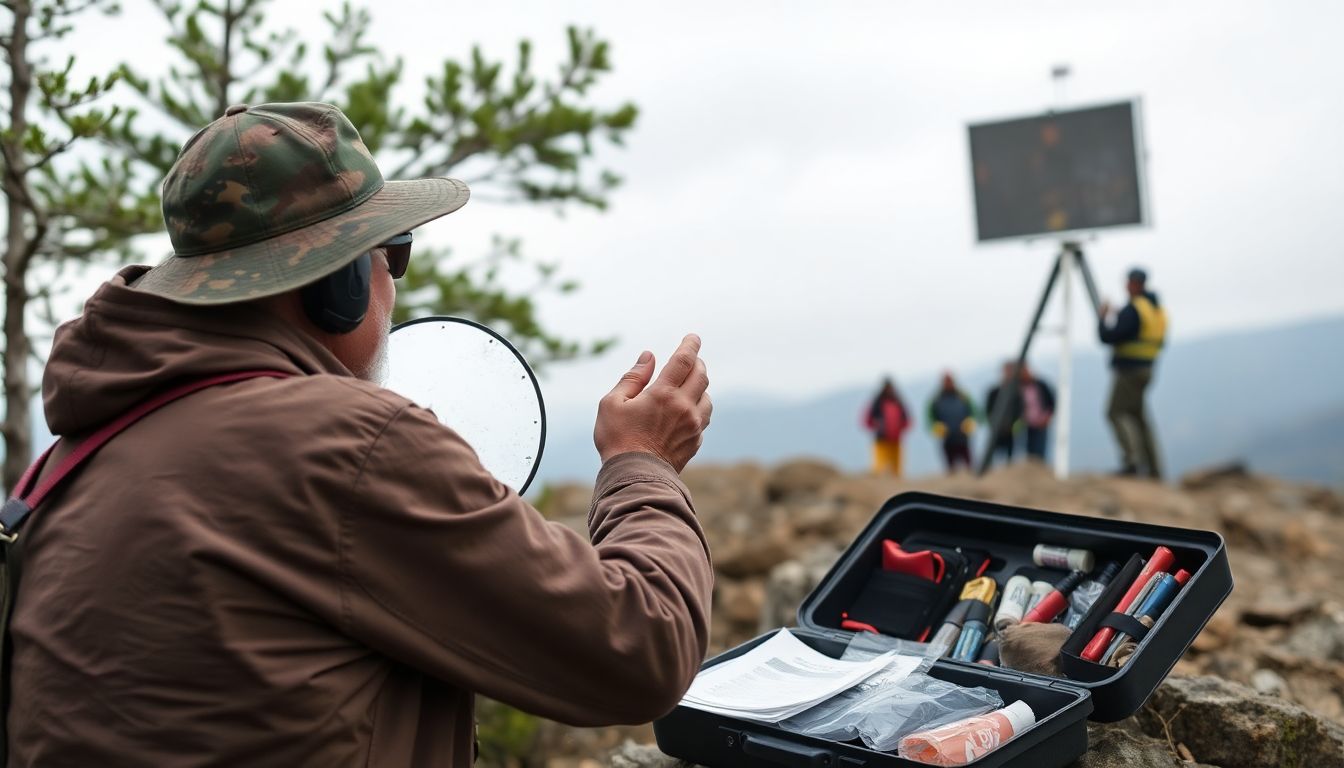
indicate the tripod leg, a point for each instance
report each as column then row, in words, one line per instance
column 1000, row 415
column 1088, row 281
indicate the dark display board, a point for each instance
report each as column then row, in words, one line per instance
column 1056, row 172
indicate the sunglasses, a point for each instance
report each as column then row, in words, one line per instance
column 398, row 251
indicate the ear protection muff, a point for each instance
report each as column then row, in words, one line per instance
column 338, row 302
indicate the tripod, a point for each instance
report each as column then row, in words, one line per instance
column 1070, row 256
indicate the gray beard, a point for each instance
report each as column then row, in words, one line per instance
column 376, row 370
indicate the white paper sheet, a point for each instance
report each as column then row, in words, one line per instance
column 781, row 677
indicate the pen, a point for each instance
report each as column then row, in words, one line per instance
column 1133, row 609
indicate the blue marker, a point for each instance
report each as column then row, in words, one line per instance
column 1160, row 598
column 972, row 632
column 1157, row 601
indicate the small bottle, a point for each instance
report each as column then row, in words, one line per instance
column 1047, row 556
column 1039, row 589
column 1013, row 604
column 965, row 740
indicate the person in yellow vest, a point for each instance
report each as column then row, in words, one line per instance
column 1136, row 336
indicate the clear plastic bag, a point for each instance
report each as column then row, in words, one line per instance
column 917, row 703
column 866, row 645
column 890, row 705
column 1081, row 600
column 964, row 742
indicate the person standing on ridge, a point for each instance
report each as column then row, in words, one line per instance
column 1002, row 438
column 1137, row 337
column 952, row 418
column 887, row 419
column 1038, row 409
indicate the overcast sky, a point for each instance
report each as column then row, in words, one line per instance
column 798, row 187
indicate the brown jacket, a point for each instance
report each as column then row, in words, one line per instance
column 314, row 571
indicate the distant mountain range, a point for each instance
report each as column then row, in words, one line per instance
column 1311, row 448
column 1272, row 397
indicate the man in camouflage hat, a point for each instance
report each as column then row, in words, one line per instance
column 311, row 570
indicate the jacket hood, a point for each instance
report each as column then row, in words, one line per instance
column 129, row 345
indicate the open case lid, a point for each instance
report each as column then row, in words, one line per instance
column 1009, row 534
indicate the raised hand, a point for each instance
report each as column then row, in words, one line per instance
column 667, row 417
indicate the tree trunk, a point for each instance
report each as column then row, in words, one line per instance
column 225, row 63
column 17, row 427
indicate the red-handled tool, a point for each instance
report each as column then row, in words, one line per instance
column 926, row 564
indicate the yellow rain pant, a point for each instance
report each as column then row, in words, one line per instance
column 887, row 457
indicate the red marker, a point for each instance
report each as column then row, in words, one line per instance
column 1160, row 562
column 1054, row 603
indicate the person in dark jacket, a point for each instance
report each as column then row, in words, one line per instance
column 1001, row 441
column 1038, row 409
column 952, row 417
column 887, row 418
column 1137, row 337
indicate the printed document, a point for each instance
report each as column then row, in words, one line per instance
column 783, row 676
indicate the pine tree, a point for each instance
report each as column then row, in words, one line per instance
column 508, row 133
column 62, row 207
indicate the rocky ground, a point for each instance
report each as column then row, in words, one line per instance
column 1262, row 686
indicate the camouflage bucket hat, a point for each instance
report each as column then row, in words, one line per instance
column 267, row 199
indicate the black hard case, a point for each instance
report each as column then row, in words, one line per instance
column 1062, row 705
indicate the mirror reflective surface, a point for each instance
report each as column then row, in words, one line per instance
column 478, row 384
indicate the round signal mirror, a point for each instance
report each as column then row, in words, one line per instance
column 478, row 384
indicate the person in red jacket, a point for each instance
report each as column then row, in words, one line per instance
column 887, row 419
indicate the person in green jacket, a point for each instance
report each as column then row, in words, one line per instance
column 952, row 418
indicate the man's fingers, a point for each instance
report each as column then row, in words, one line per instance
column 634, row 380
column 705, row 408
column 680, row 364
column 696, row 383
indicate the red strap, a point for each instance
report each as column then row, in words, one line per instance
column 858, row 626
column 110, row 430
column 32, row 470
